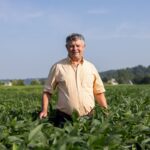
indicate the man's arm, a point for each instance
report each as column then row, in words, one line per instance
column 101, row 99
column 45, row 101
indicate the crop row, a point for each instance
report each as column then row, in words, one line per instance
column 127, row 125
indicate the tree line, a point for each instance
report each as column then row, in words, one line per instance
column 21, row 82
column 137, row 75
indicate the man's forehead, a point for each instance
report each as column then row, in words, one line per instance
column 77, row 41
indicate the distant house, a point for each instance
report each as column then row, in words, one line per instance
column 8, row 83
column 112, row 81
column 130, row 82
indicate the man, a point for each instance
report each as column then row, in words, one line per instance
column 77, row 81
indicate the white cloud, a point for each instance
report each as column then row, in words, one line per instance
column 133, row 30
column 10, row 12
column 33, row 15
column 123, row 30
column 98, row 11
column 123, row 27
column 20, row 16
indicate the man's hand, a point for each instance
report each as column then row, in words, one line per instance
column 45, row 100
column 105, row 112
column 43, row 114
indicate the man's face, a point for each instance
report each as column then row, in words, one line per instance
column 75, row 49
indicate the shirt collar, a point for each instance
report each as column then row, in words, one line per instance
column 69, row 60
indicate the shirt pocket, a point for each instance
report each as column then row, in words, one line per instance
column 88, row 80
column 63, row 80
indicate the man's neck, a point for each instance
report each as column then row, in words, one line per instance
column 76, row 61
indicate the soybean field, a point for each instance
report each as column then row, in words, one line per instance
column 124, row 126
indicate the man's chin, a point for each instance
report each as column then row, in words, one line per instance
column 76, row 58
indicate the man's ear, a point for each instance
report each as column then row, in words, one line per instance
column 66, row 46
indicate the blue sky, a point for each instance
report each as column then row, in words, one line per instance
column 33, row 32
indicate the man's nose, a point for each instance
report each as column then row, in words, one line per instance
column 75, row 48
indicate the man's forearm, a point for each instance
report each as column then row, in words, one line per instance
column 101, row 100
column 45, row 101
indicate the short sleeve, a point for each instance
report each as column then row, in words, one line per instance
column 51, row 81
column 98, row 86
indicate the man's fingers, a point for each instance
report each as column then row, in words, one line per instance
column 43, row 115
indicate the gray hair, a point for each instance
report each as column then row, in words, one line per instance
column 74, row 37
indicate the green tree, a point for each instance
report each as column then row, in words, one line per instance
column 146, row 80
column 1, row 83
column 35, row 82
column 18, row 82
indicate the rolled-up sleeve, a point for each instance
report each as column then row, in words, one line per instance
column 51, row 81
column 98, row 83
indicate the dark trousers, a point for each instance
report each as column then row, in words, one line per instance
column 60, row 118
